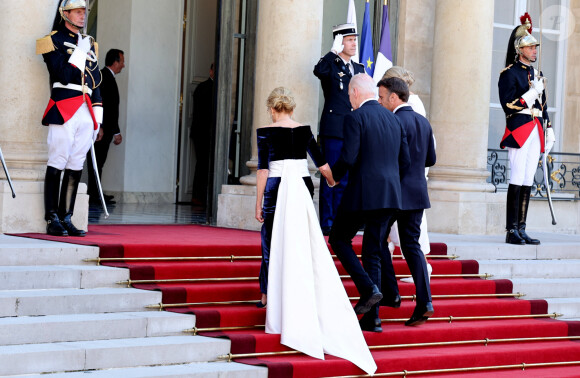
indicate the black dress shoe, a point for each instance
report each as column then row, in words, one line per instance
column 527, row 238
column 70, row 227
column 371, row 326
column 108, row 198
column 394, row 303
column 420, row 314
column 54, row 227
column 261, row 305
column 365, row 303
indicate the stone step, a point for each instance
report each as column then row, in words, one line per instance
column 75, row 301
column 60, row 277
column 197, row 370
column 62, row 328
column 26, row 251
column 543, row 288
column 569, row 307
column 108, row 354
column 530, row 268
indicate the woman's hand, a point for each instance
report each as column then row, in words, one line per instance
column 327, row 174
column 259, row 214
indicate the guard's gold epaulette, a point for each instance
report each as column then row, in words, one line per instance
column 96, row 49
column 505, row 69
column 45, row 45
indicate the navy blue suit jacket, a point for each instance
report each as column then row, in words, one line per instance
column 334, row 78
column 376, row 155
column 422, row 153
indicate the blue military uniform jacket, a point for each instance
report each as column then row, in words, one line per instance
column 376, row 155
column 64, row 102
column 514, row 81
column 334, row 78
column 422, row 152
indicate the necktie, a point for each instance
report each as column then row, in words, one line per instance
column 348, row 69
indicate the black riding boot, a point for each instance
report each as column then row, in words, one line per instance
column 51, row 187
column 68, row 195
column 524, row 203
column 512, row 212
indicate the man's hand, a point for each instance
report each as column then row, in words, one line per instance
column 337, row 45
column 117, row 139
column 550, row 139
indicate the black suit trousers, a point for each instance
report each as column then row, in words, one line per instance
column 374, row 266
column 409, row 226
column 101, row 152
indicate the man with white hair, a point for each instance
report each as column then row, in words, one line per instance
column 375, row 154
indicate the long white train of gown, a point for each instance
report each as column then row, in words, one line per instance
column 307, row 303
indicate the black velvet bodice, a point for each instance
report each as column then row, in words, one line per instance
column 280, row 143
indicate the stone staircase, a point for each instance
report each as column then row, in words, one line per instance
column 549, row 271
column 62, row 317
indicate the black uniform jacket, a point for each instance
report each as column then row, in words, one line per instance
column 422, row 153
column 376, row 155
column 514, row 81
column 64, row 102
column 334, row 78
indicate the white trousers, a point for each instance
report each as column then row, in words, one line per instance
column 524, row 160
column 69, row 143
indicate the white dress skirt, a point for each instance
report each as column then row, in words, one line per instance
column 307, row 303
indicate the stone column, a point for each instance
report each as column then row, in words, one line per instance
column 459, row 114
column 289, row 36
column 24, row 97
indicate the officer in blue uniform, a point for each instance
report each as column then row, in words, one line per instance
column 335, row 70
column 74, row 112
column 522, row 97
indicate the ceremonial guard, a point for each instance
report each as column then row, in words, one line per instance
column 523, row 99
column 73, row 114
column 335, row 70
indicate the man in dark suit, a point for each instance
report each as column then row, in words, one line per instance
column 393, row 95
column 114, row 62
column 335, row 70
column 202, row 126
column 375, row 153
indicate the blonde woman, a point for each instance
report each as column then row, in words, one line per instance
column 306, row 300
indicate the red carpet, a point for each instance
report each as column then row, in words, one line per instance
column 200, row 241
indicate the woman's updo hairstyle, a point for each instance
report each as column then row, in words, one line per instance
column 401, row 73
column 281, row 100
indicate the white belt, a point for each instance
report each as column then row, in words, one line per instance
column 276, row 167
column 534, row 112
column 74, row 87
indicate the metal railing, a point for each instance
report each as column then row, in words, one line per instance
column 563, row 175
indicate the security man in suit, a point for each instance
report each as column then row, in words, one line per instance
column 375, row 154
column 73, row 114
column 393, row 95
column 335, row 70
column 522, row 97
column 114, row 64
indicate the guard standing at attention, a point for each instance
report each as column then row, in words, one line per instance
column 523, row 99
column 335, row 70
column 74, row 112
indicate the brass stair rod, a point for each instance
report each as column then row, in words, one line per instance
column 406, row 373
column 195, row 330
column 217, row 279
column 229, row 357
column 231, row 258
column 404, row 297
column 451, row 318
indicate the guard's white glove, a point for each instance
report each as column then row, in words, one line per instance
column 550, row 139
column 79, row 57
column 337, row 45
column 538, row 85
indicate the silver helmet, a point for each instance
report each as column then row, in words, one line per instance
column 524, row 38
column 67, row 5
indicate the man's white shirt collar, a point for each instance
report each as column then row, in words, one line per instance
column 400, row 106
